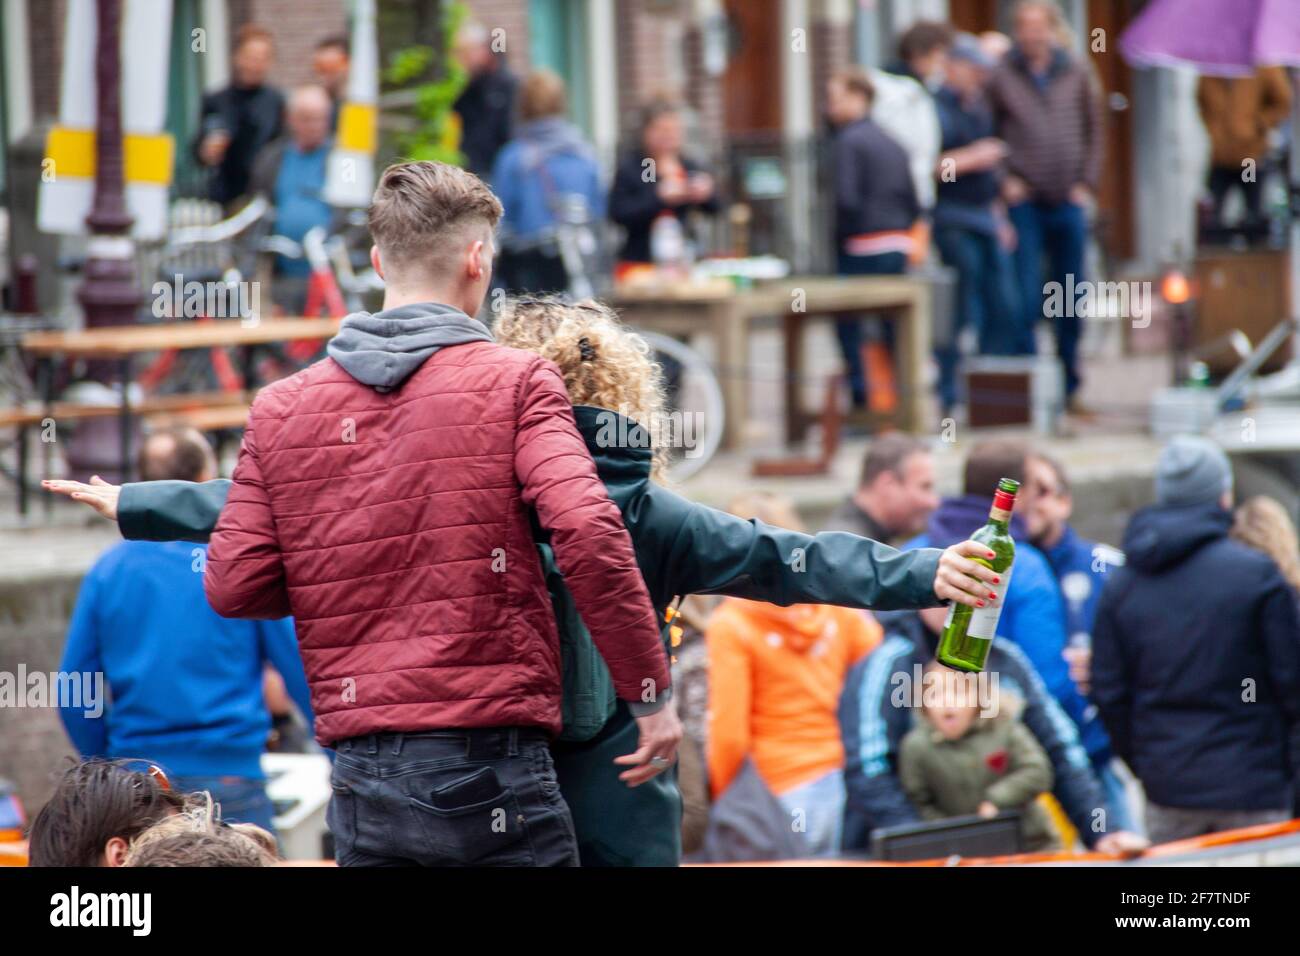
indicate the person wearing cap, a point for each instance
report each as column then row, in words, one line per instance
column 970, row 221
column 1196, row 658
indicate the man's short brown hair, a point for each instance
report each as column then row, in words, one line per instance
column 420, row 207
column 991, row 460
column 887, row 454
column 856, row 80
column 922, row 37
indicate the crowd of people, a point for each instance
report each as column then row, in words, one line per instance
column 519, row 646
column 426, row 571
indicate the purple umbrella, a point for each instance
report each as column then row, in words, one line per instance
column 1217, row 37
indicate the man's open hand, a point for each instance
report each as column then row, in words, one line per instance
column 99, row 494
column 965, row 581
column 656, row 750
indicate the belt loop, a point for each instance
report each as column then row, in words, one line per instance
column 399, row 739
column 372, row 744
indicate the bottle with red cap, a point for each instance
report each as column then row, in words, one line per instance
column 969, row 631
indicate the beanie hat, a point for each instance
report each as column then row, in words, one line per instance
column 1192, row 471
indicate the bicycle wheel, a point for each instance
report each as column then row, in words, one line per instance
column 696, row 413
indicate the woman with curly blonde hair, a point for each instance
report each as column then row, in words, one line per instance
column 1263, row 524
column 682, row 548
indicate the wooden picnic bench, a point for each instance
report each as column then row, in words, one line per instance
column 206, row 411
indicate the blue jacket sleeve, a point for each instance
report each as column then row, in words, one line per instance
column 872, row 728
column 81, row 655
column 1077, row 788
column 280, row 647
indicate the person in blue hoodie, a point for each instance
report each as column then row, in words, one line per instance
column 547, row 179
column 1081, row 568
column 1033, row 612
column 1196, row 658
column 185, row 683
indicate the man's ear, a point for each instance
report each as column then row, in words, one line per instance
column 375, row 263
column 115, row 852
column 474, row 263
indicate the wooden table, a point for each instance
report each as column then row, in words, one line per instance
column 122, row 343
column 726, row 313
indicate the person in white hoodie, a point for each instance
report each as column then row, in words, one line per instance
column 903, row 104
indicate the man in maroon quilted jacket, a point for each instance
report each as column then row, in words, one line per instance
column 383, row 498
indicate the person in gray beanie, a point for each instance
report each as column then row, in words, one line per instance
column 1193, row 471
column 1196, row 658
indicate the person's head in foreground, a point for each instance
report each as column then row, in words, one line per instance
column 776, row 510
column 896, row 484
column 604, row 364
column 197, row 837
column 97, row 809
column 1193, row 471
column 432, row 225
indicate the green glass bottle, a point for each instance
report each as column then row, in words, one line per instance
column 968, row 632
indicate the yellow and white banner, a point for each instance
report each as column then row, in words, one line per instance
column 350, row 170
column 68, row 171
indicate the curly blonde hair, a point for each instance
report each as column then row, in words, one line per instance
column 1263, row 524
column 604, row 363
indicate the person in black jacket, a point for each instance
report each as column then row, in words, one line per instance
column 875, row 203
column 877, row 709
column 1196, row 658
column 486, row 106
column 236, row 122
column 655, row 178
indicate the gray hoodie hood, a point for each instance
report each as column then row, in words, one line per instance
column 384, row 349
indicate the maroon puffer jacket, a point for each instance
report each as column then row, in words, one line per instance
column 394, row 527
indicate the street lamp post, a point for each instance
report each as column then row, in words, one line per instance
column 109, row 294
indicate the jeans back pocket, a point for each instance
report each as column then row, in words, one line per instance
column 473, row 820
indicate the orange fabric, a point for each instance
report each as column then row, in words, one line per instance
column 882, row 389
column 775, row 676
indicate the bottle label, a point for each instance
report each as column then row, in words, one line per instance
column 984, row 620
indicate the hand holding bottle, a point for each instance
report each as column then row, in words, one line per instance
column 963, row 580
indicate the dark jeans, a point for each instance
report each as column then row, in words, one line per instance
column 242, row 800
column 1224, row 179
column 849, row 330
column 1057, row 233
column 480, row 797
column 986, row 301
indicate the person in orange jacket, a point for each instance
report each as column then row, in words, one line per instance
column 775, row 675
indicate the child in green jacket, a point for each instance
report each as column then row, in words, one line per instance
column 968, row 755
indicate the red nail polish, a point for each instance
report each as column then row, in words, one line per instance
column 996, row 579
column 980, row 604
column 993, row 596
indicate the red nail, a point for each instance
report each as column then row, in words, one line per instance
column 992, row 555
column 996, row 579
column 993, row 596
column 980, row 604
